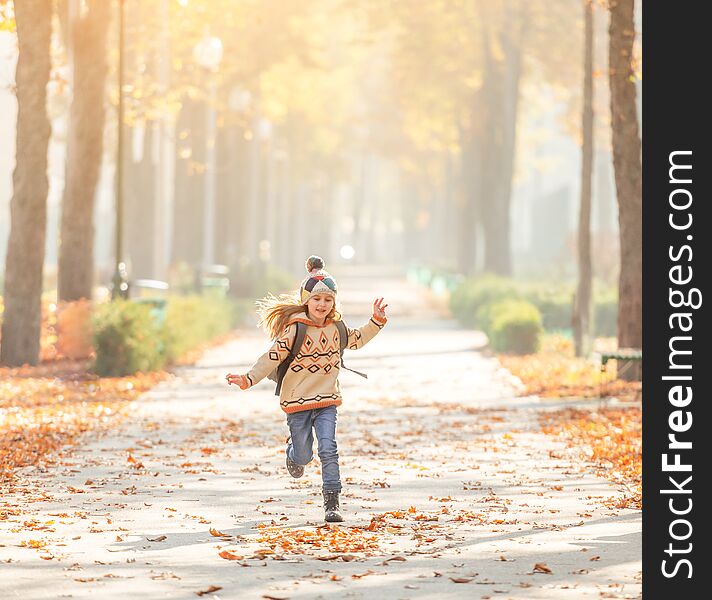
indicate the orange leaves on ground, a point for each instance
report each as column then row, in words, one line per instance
column 34, row 543
column 558, row 374
column 333, row 539
column 210, row 590
column 227, row 555
column 467, row 516
column 541, row 568
column 613, row 439
column 45, row 407
column 393, row 559
column 215, row 533
column 136, row 464
column 361, row 575
column 381, row 521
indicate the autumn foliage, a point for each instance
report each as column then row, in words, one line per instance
column 610, row 438
column 555, row 372
column 46, row 407
column 332, row 539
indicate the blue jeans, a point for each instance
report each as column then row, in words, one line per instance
column 299, row 449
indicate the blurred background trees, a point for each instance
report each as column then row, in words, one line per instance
column 445, row 134
column 25, row 246
column 85, row 43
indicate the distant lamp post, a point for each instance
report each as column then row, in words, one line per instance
column 120, row 282
column 208, row 53
column 120, row 285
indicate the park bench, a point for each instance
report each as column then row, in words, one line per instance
column 214, row 279
column 155, row 300
column 625, row 358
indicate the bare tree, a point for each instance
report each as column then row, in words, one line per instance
column 582, row 303
column 28, row 207
column 502, row 50
column 627, row 164
column 84, row 150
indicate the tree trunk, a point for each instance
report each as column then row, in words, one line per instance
column 187, row 206
column 28, row 207
column 231, row 189
column 501, row 98
column 627, row 165
column 469, row 217
column 84, row 152
column 140, row 206
column 582, row 304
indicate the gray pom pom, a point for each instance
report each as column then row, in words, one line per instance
column 314, row 263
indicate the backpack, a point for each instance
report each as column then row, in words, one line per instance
column 278, row 374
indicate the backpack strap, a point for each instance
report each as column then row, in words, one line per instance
column 343, row 341
column 343, row 335
column 293, row 351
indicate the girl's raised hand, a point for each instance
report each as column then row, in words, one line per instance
column 239, row 380
column 379, row 309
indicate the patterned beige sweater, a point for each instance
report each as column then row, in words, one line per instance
column 312, row 380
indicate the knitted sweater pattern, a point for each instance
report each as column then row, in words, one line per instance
column 312, row 380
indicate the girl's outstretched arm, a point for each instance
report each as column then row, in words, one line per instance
column 358, row 338
column 268, row 362
column 379, row 309
column 236, row 379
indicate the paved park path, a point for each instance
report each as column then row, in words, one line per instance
column 450, row 489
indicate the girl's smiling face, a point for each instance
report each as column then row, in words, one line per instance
column 319, row 306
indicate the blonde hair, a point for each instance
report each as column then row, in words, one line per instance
column 274, row 312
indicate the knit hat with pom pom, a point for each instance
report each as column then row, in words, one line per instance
column 318, row 281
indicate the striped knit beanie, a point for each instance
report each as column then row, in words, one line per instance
column 318, row 281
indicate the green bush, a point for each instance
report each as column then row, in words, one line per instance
column 130, row 336
column 514, row 326
column 485, row 314
column 127, row 339
column 472, row 294
column 193, row 320
column 469, row 303
column 554, row 301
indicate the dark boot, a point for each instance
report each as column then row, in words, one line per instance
column 331, row 506
column 294, row 469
